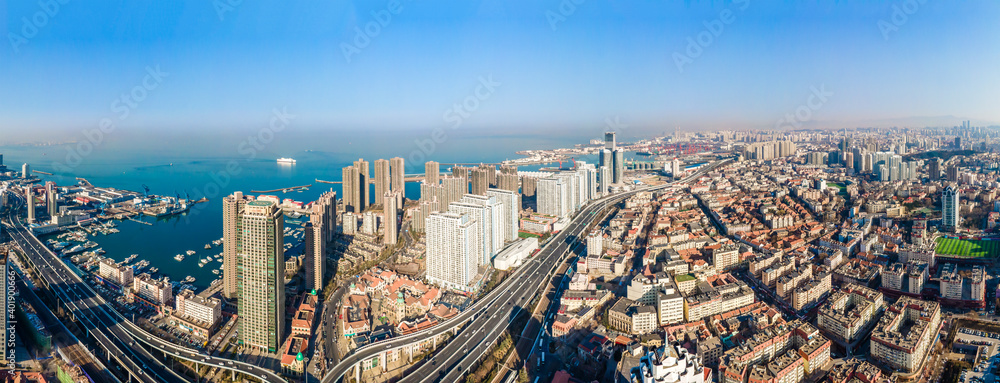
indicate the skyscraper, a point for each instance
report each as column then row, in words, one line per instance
column 934, row 169
column 50, row 198
column 315, row 255
column 432, row 172
column 29, row 194
column 480, row 181
column 609, row 141
column 953, row 173
column 452, row 261
column 260, row 283
column 352, row 199
column 25, row 171
column 487, row 212
column 508, row 182
column 232, row 209
column 382, row 179
column 529, row 186
column 604, row 179
column 328, row 206
column 949, row 209
column 510, row 202
column 390, row 212
column 398, row 175
column 618, row 171
column 364, row 178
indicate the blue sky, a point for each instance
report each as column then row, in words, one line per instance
column 559, row 64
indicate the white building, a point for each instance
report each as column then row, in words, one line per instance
column 515, row 254
column 452, row 257
column 197, row 308
column 117, row 274
column 153, row 290
column 510, row 203
column 950, row 208
column 670, row 363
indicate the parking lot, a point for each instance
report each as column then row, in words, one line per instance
column 984, row 368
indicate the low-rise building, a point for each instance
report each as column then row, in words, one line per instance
column 671, row 363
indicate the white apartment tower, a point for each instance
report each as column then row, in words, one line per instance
column 452, row 259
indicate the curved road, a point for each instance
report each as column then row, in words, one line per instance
column 98, row 315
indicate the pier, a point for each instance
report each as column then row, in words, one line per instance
column 139, row 221
column 41, row 172
column 283, row 190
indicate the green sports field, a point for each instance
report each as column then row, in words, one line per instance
column 968, row 248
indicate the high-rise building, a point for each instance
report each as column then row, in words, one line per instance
column 480, row 181
column 315, row 255
column 381, row 178
column 398, row 175
column 364, row 179
column 508, row 182
column 260, row 282
column 605, row 159
column 352, row 191
column 50, row 199
column 432, row 172
column 232, row 210
column 619, row 166
column 460, row 172
column 491, row 174
column 553, row 196
column 604, row 179
column 934, row 169
column 29, row 194
column 452, row 260
column 488, row 214
column 25, row 171
column 390, row 211
column 949, row 209
column 609, row 141
column 510, row 202
column 328, row 208
column 454, row 189
column 953, row 173
column 529, row 185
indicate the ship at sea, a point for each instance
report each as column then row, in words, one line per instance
column 286, row 161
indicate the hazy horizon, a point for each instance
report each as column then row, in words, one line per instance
column 526, row 67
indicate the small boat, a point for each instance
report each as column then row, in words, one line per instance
column 190, row 252
column 208, row 247
column 220, row 260
column 60, row 245
column 215, row 271
column 154, row 269
column 189, row 279
column 179, row 257
column 130, row 258
column 286, row 161
column 74, row 249
column 100, row 251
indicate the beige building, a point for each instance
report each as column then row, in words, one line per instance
column 906, row 333
column 849, row 312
